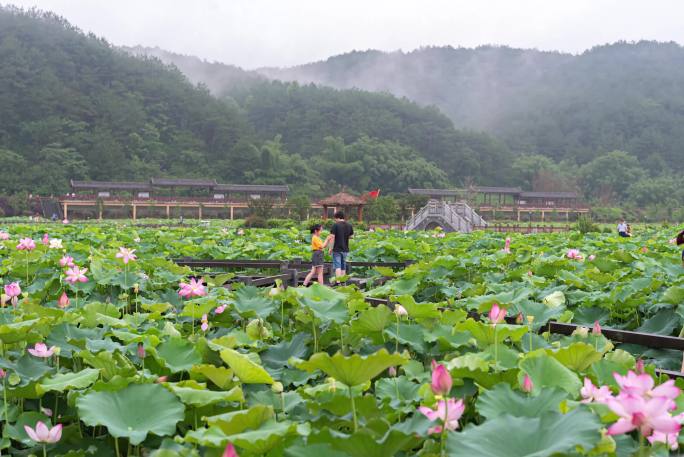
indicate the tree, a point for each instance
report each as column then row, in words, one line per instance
column 382, row 209
column 612, row 173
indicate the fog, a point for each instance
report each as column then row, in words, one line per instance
column 258, row 33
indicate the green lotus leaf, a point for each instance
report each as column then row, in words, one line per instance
column 178, row 354
column 548, row 435
column 363, row 443
column 502, row 399
column 250, row 301
column 259, row 441
column 325, row 303
column 222, row 377
column 109, row 363
column 195, row 394
column 245, row 369
column 409, row 334
column 353, row 370
column 276, row 356
column 578, row 356
column 484, row 333
column 314, row 450
column 74, row 380
column 239, row 421
column 663, row 323
column 132, row 412
column 16, row 332
column 372, row 321
column 546, row 371
column 419, row 310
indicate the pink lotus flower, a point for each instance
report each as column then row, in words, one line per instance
column 441, row 379
column 161, row 379
column 639, row 368
column 194, row 289
column 597, row 328
column 527, row 384
column 646, row 415
column 126, row 255
column 392, row 371
column 519, row 319
column 141, row 351
column 42, row 434
column 644, row 250
column 592, row 258
column 574, row 254
column 229, row 451
column 400, row 311
column 41, row 350
column 448, row 412
column 45, row 240
column 63, row 301
column 75, row 274
column 497, row 314
column 220, row 309
column 507, row 246
column 3, row 373
column 26, row 244
column 205, row 323
column 66, row 261
column 642, row 385
column 4, row 236
column 670, row 439
column 591, row 393
column 12, row 289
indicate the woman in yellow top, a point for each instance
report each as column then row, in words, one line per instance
column 317, row 246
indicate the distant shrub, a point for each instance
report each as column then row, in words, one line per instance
column 586, row 225
column 255, row 222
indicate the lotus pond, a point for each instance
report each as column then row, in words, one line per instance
column 108, row 348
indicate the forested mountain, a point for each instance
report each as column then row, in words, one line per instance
column 606, row 122
column 627, row 96
column 73, row 106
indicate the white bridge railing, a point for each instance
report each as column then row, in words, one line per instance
column 454, row 217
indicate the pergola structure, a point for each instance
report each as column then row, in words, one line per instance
column 162, row 193
column 511, row 200
column 345, row 202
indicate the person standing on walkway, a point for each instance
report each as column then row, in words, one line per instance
column 340, row 233
column 623, row 229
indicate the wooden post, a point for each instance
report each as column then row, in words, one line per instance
column 66, row 210
column 247, row 280
column 231, row 212
column 518, row 215
column 134, row 211
column 168, row 211
column 542, row 216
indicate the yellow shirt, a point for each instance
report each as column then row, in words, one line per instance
column 316, row 243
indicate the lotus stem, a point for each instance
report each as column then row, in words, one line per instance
column 396, row 346
column 313, row 329
column 4, row 397
column 282, row 402
column 116, row 446
column 444, row 428
column 27, row 268
column 496, row 347
column 44, row 451
column 342, row 338
column 353, row 405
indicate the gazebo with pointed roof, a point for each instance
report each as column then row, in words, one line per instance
column 344, row 201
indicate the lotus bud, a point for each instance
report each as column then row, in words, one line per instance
column 527, row 384
column 392, row 372
column 141, row 351
column 519, row 319
column 640, row 366
column 277, row 387
column 400, row 311
column 136, row 288
column 63, row 301
column 273, row 292
column 229, row 451
column 3, row 373
column 597, row 328
column 441, row 379
column 581, row 331
column 530, row 319
column 57, row 350
column 529, row 273
column 161, row 379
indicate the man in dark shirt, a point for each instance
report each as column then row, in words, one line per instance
column 340, row 233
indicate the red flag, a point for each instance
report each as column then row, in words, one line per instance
column 374, row 193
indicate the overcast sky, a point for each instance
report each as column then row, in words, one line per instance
column 254, row 33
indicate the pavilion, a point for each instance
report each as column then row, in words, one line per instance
column 345, row 202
